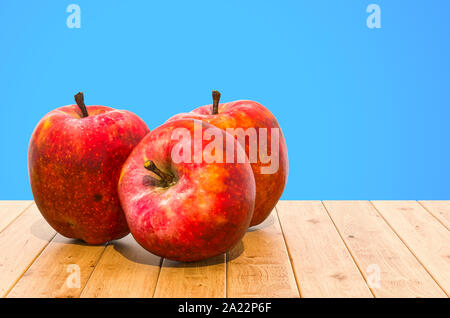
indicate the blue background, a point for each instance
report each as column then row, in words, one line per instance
column 365, row 111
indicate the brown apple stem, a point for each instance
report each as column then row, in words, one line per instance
column 216, row 99
column 79, row 99
column 167, row 178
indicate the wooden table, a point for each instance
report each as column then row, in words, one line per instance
column 304, row 249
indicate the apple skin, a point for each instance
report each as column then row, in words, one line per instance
column 74, row 165
column 204, row 213
column 246, row 114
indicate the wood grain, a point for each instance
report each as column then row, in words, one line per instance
column 10, row 210
column 400, row 248
column 61, row 270
column 322, row 264
column 425, row 236
column 20, row 243
column 387, row 264
column 440, row 210
column 125, row 269
column 204, row 279
column 259, row 266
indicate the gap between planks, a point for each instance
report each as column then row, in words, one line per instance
column 440, row 210
column 227, row 260
column 297, row 281
column 61, row 270
column 265, row 260
column 11, row 210
column 261, row 269
column 259, row 266
column 124, row 269
column 390, row 267
column 21, row 243
column 426, row 237
column 323, row 265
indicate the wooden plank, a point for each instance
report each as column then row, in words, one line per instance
column 125, row 269
column 10, row 210
column 259, row 266
column 204, row 279
column 20, row 243
column 387, row 264
column 323, row 266
column 61, row 270
column 425, row 236
column 440, row 210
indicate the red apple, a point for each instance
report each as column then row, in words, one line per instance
column 270, row 167
column 189, row 208
column 74, row 162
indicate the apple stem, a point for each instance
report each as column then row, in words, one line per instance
column 167, row 178
column 216, row 99
column 79, row 99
